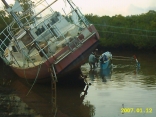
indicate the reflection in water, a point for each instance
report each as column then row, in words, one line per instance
column 71, row 101
column 10, row 103
column 106, row 73
column 126, row 85
column 92, row 75
column 131, row 86
column 87, row 103
column 38, row 103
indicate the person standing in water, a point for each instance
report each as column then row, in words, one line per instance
column 92, row 60
column 97, row 57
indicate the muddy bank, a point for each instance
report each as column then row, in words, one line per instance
column 11, row 105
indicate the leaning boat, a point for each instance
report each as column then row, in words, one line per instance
column 37, row 40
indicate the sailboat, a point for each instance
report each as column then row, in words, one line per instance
column 41, row 38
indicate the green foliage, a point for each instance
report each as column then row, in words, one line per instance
column 133, row 31
column 6, row 18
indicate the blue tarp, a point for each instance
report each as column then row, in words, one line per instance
column 104, row 65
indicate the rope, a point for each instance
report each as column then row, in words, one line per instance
column 55, row 112
column 34, row 80
column 26, row 78
column 125, row 33
column 145, row 33
column 123, row 59
column 125, row 28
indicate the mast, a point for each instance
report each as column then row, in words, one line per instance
column 20, row 24
column 76, row 12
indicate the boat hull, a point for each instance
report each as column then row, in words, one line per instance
column 71, row 62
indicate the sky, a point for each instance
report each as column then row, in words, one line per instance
column 113, row 7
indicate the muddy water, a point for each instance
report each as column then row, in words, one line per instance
column 123, row 91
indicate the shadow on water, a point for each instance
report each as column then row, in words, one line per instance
column 103, row 74
column 11, row 105
column 70, row 96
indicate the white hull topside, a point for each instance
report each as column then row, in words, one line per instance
column 31, row 41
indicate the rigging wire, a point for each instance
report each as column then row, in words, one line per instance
column 144, row 32
column 39, row 2
column 124, row 27
column 125, row 33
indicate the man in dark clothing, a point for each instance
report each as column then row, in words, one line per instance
column 92, row 60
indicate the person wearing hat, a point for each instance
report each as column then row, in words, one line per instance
column 92, row 60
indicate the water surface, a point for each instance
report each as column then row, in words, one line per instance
column 125, row 88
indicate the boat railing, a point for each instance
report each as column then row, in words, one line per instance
column 7, row 35
column 2, row 47
column 27, row 22
column 36, row 39
column 4, row 42
column 82, row 17
column 71, row 45
column 48, row 30
column 11, row 30
column 6, row 38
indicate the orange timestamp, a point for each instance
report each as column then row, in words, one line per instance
column 136, row 110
